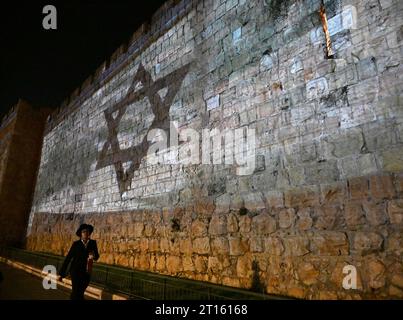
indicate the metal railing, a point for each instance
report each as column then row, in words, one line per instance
column 140, row 284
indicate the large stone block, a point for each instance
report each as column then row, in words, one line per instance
column 287, row 218
column 199, row 228
column 395, row 211
column 307, row 273
column 220, row 245
column 200, row 263
column 322, row 172
column 274, row 246
column 354, row 215
column 326, row 217
column 392, row 159
column 201, row 245
column 307, row 196
column 367, row 242
column 295, row 246
column 238, row 246
column 232, row 223
column 244, row 266
column 330, row 243
column 376, row 277
column 304, row 221
column 218, row 225
column 375, row 212
column 263, row 224
column 173, row 264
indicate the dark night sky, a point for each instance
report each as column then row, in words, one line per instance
column 45, row 66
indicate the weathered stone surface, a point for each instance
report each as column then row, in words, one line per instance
column 337, row 274
column 218, row 225
column 144, row 244
column 296, row 292
column 274, row 246
column 302, row 197
column 367, row 68
column 287, row 218
column 256, row 244
column 245, row 224
column 275, row 199
column 307, row 273
column 376, row 274
column 395, row 243
column 164, row 245
column 244, row 266
column 231, row 282
column 188, row 265
column 238, row 246
column 395, row 292
column 220, row 245
column 304, row 221
column 263, row 224
column 326, row 171
column 144, row 264
column 200, row 263
column 214, row 265
column 399, row 183
column 153, row 245
column 253, row 201
column 348, row 143
column 296, row 246
column 148, row 230
column 382, row 186
column 136, row 230
column 397, row 280
column 232, row 223
column 185, row 246
column 392, row 160
column 359, row 188
column 21, row 136
column 354, row 215
column 160, row 266
column 199, row 228
column 395, row 211
column 375, row 213
column 367, row 242
column 201, row 245
column 329, row 243
column 334, row 193
column 173, row 264
column 326, row 217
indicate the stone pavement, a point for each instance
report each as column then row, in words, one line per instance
column 20, row 285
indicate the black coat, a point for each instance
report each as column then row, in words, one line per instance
column 78, row 256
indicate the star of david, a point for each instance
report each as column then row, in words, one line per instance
column 160, row 108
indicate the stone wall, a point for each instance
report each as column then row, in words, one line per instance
column 327, row 187
column 21, row 133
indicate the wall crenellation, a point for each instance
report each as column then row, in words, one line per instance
column 143, row 36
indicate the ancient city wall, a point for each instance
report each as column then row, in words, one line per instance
column 326, row 189
column 21, row 133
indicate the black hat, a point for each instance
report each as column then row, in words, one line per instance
column 89, row 227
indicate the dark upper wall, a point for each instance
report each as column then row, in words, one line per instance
column 20, row 142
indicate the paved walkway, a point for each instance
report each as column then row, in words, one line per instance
column 20, row 285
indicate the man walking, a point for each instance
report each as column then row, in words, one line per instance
column 81, row 255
